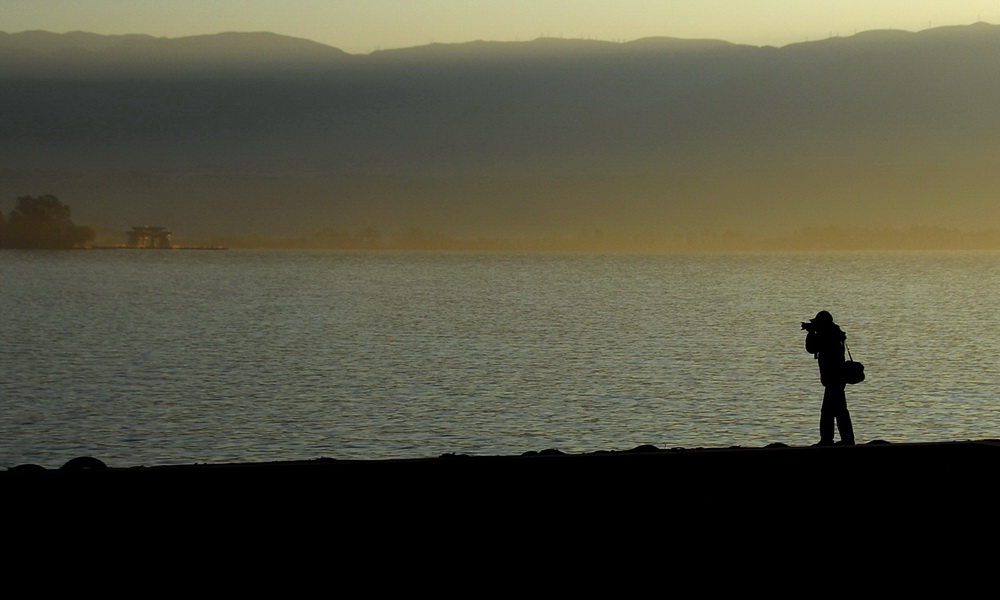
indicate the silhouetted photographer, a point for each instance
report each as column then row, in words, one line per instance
column 825, row 341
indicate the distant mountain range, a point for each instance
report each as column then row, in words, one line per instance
column 254, row 132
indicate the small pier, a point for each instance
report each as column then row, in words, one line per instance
column 157, row 238
column 150, row 238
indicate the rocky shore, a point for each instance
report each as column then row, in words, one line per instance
column 876, row 467
column 738, row 506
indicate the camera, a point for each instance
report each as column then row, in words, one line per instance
column 809, row 326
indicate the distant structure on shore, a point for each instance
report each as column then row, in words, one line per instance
column 149, row 237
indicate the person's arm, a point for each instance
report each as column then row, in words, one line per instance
column 812, row 343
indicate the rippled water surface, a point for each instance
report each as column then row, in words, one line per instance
column 163, row 357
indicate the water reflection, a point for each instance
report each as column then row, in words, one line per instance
column 148, row 358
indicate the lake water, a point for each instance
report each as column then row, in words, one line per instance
column 173, row 357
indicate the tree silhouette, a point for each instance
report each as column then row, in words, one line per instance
column 42, row 222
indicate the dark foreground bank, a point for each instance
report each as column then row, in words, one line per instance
column 873, row 467
column 733, row 504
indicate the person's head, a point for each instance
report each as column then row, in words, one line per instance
column 823, row 318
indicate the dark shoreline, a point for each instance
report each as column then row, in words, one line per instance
column 699, row 499
column 874, row 460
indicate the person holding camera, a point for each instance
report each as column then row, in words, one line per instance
column 825, row 341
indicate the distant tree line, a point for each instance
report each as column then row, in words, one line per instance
column 42, row 222
column 809, row 239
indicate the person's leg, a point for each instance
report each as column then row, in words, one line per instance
column 827, row 414
column 837, row 406
column 845, row 426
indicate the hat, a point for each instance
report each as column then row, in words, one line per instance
column 823, row 317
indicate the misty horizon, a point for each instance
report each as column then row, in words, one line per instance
column 885, row 130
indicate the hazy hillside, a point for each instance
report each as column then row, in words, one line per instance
column 240, row 133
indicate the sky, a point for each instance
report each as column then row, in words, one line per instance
column 362, row 26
